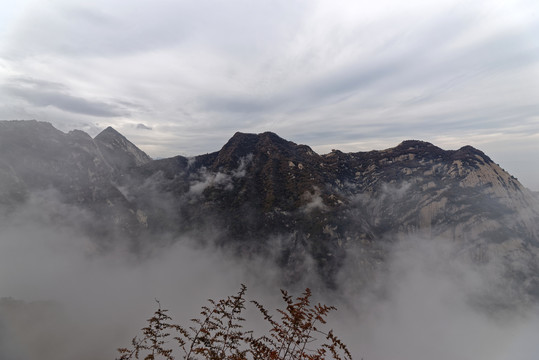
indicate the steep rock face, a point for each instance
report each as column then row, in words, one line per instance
column 261, row 193
column 279, row 171
column 119, row 152
column 36, row 158
column 423, row 188
column 415, row 187
column 419, row 190
column 261, row 187
column 41, row 156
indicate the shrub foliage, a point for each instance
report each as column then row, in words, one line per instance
column 218, row 334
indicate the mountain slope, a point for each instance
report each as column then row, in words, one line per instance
column 259, row 188
column 261, row 194
column 38, row 160
column 119, row 152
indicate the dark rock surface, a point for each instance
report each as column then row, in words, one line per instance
column 263, row 194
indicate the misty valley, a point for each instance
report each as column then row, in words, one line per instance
column 426, row 253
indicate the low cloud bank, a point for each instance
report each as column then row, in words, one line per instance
column 433, row 303
column 63, row 300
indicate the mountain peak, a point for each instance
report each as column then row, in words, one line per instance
column 243, row 144
column 249, row 139
column 416, row 148
column 414, row 145
column 469, row 152
column 241, row 139
column 260, row 188
column 118, row 151
column 108, row 133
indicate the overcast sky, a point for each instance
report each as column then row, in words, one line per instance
column 180, row 77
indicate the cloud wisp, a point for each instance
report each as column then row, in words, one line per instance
column 43, row 94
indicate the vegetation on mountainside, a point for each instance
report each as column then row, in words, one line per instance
column 219, row 333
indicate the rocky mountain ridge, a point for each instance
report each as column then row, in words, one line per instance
column 263, row 194
column 79, row 170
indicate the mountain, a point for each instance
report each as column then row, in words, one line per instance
column 80, row 171
column 119, row 152
column 259, row 188
column 261, row 194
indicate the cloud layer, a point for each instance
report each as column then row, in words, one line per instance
column 69, row 302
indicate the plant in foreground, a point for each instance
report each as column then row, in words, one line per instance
column 219, row 333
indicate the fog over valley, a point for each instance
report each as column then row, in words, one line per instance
column 427, row 253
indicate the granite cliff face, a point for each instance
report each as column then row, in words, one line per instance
column 263, row 194
column 261, row 187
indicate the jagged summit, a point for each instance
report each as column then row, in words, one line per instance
column 245, row 142
column 108, row 132
column 259, row 187
column 470, row 153
column 110, row 135
column 239, row 145
column 120, row 152
column 414, row 144
column 267, row 145
column 427, row 150
column 416, row 147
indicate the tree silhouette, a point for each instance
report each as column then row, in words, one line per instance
column 218, row 334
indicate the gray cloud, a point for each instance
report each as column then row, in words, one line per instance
column 44, row 93
column 69, row 302
column 426, row 307
column 111, row 29
column 143, row 127
column 237, row 104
